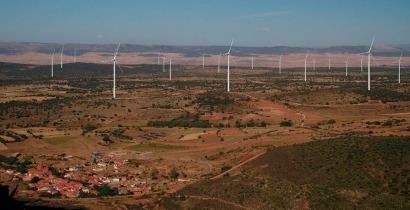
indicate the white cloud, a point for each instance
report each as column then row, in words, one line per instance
column 266, row 14
column 99, row 36
column 266, row 29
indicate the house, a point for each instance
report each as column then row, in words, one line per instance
column 102, row 164
column 184, row 180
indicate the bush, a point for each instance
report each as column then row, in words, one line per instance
column 331, row 121
column 225, row 168
column 286, row 123
column 174, row 174
column 88, row 128
column 35, row 179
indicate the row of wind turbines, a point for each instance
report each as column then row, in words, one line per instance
column 228, row 54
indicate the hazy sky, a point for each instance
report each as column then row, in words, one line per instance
column 207, row 22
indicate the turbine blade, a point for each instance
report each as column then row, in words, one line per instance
column 229, row 52
column 116, row 51
column 236, row 65
column 119, row 67
column 374, row 60
column 371, row 44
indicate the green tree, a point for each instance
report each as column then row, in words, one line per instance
column 105, row 190
column 174, row 174
column 35, row 179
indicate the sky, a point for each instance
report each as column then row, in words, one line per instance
column 304, row 23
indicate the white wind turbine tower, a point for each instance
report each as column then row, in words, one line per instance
column 61, row 57
column 52, row 64
column 399, row 62
column 305, row 62
column 163, row 62
column 369, row 54
column 329, row 61
column 203, row 60
column 170, row 66
column 252, row 62
column 158, row 57
column 347, row 60
column 114, row 63
column 229, row 54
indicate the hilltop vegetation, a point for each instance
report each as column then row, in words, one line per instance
column 342, row 173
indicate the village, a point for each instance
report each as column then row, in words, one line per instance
column 106, row 175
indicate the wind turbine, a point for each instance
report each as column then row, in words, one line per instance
column 203, row 60
column 163, row 62
column 229, row 54
column 61, row 56
column 158, row 58
column 329, row 61
column 361, row 63
column 170, row 66
column 399, row 62
column 305, row 62
column 114, row 62
column 280, row 64
column 347, row 60
column 52, row 64
column 252, row 62
column 369, row 54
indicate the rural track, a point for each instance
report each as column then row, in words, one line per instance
column 303, row 119
column 239, row 165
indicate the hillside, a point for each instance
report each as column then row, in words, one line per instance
column 342, row 173
column 15, row 48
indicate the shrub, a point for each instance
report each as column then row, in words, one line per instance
column 225, row 168
column 286, row 123
column 35, row 179
column 174, row 174
column 331, row 121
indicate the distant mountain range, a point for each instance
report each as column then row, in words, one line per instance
column 194, row 51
